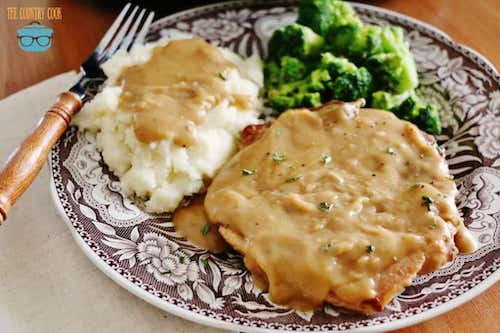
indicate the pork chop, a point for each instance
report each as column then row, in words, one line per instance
column 338, row 204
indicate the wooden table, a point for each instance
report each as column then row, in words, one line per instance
column 473, row 23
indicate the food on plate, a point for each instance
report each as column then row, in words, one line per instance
column 330, row 54
column 170, row 115
column 338, row 204
column 333, row 203
column 191, row 221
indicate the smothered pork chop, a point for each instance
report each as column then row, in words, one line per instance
column 338, row 204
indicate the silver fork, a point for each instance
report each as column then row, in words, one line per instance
column 24, row 164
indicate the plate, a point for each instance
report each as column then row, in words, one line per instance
column 142, row 252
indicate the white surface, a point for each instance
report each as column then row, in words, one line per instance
column 46, row 282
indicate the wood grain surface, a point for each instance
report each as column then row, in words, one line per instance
column 473, row 23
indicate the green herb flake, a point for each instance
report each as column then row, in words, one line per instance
column 327, row 247
column 292, row 179
column 248, row 172
column 427, row 202
column 221, row 76
column 325, row 206
column 278, row 157
column 414, row 186
column 204, row 262
column 433, row 226
column 326, row 159
column 205, row 229
column 391, row 151
column 182, row 259
column 370, row 249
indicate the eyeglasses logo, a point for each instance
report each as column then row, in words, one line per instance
column 34, row 37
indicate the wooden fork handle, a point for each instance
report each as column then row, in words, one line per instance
column 25, row 162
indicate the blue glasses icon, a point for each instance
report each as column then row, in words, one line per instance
column 34, row 37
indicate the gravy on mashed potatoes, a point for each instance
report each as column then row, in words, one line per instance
column 340, row 204
column 169, row 93
column 170, row 114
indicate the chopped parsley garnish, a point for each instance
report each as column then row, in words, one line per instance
column 205, row 229
column 221, row 76
column 327, row 247
column 391, row 151
column 278, row 157
column 433, row 225
column 248, row 172
column 427, row 202
column 416, row 185
column 326, row 159
column 182, row 259
column 292, row 179
column 370, row 249
column 204, row 262
column 325, row 206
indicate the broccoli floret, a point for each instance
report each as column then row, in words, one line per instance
column 288, row 69
column 294, row 40
column 309, row 99
column 292, row 69
column 289, row 85
column 289, row 96
column 336, row 65
column 410, row 107
column 351, row 86
column 280, row 103
column 348, row 40
column 391, row 40
column 386, row 101
column 428, row 119
column 395, row 72
column 324, row 16
column 272, row 74
column 317, row 80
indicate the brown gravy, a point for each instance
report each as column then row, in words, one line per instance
column 324, row 204
column 190, row 222
column 170, row 94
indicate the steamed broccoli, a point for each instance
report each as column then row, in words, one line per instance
column 287, row 69
column 334, row 78
column 386, row 101
column 410, row 107
column 292, row 95
column 330, row 54
column 318, row 80
column 383, row 50
column 395, row 72
column 294, row 40
column 324, row 15
column 351, row 86
column 428, row 119
column 336, row 65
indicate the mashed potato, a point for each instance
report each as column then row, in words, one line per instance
column 161, row 173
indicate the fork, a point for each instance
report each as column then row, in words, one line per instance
column 25, row 162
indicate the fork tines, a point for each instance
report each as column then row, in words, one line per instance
column 127, row 35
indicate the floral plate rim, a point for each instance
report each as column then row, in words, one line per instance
column 204, row 320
